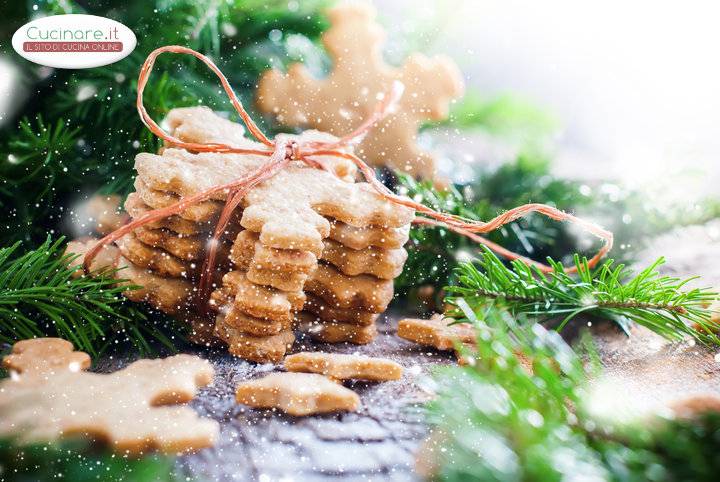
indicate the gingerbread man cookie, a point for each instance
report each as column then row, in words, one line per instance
column 44, row 357
column 127, row 409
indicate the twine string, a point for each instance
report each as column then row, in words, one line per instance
column 282, row 151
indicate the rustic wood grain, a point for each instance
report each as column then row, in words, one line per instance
column 377, row 442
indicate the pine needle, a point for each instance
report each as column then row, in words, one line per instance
column 660, row 303
column 434, row 253
column 78, row 461
column 518, row 411
column 41, row 295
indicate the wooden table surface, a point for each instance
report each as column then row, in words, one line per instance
column 375, row 443
column 379, row 441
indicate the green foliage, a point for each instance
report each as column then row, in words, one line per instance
column 39, row 154
column 38, row 145
column 434, row 253
column 75, row 461
column 495, row 420
column 84, row 131
column 498, row 422
column 41, row 295
column 505, row 115
column 659, row 303
column 671, row 450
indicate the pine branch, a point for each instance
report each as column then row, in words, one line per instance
column 657, row 302
column 495, row 419
column 37, row 146
column 41, row 295
column 483, row 413
column 34, row 160
column 434, row 253
column 76, row 461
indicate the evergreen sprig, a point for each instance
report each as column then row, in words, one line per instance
column 76, row 461
column 497, row 420
column 41, row 294
column 37, row 145
column 435, row 252
column 36, row 158
column 494, row 421
column 664, row 304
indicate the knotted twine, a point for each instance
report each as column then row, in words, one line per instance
column 281, row 151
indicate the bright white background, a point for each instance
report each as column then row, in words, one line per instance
column 635, row 84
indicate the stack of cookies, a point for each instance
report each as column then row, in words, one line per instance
column 353, row 282
column 165, row 257
column 269, row 285
column 169, row 252
column 308, row 245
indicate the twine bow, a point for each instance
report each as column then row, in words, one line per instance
column 283, row 150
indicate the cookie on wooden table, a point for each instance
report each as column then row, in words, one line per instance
column 276, row 279
column 379, row 262
column 261, row 301
column 328, row 312
column 202, row 125
column 44, row 357
column 107, row 259
column 137, row 208
column 343, row 366
column 335, row 332
column 156, row 260
column 133, row 410
column 436, row 332
column 185, row 247
column 103, row 212
column 363, row 292
column 297, row 394
column 288, row 210
column 169, row 295
column 251, row 326
column 249, row 253
column 274, row 241
column 203, row 212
